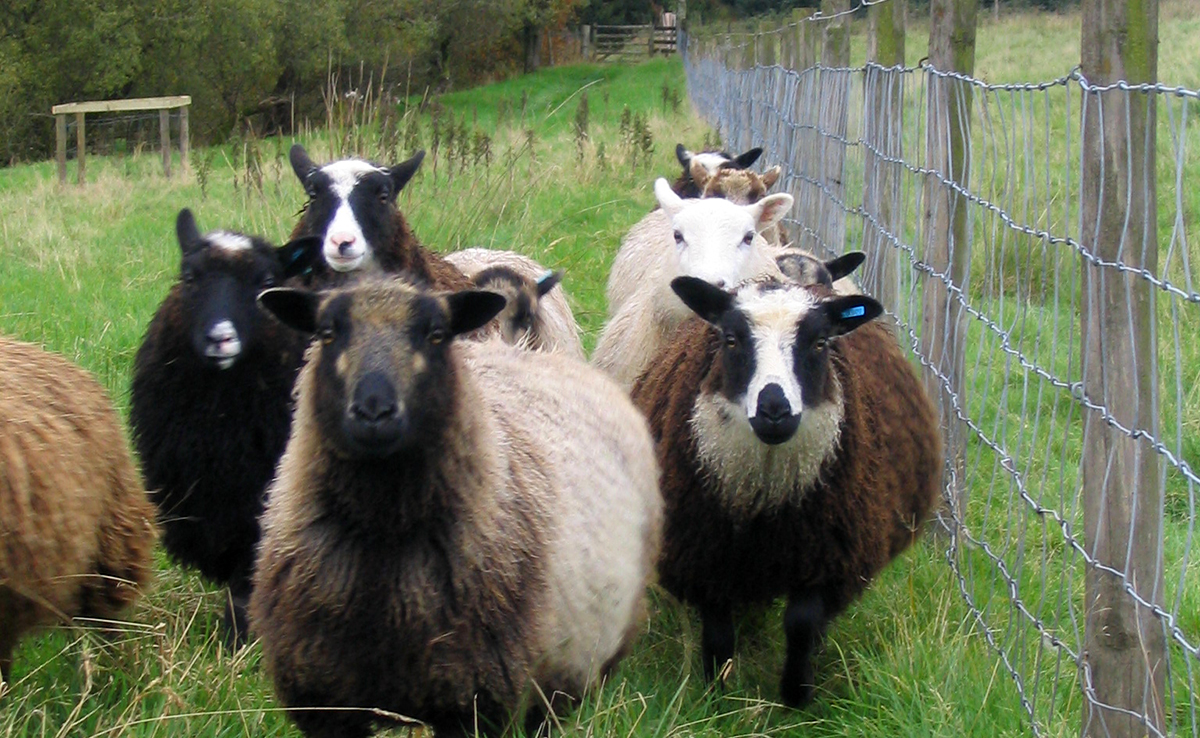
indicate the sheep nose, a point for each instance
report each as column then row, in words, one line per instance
column 720, row 283
column 222, row 332
column 343, row 241
column 374, row 400
column 773, row 405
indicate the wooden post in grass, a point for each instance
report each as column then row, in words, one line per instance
column 947, row 243
column 185, row 143
column 80, row 146
column 80, row 109
column 882, row 133
column 804, row 159
column 60, row 138
column 834, row 110
column 164, row 138
column 1124, row 642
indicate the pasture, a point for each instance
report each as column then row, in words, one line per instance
column 84, row 269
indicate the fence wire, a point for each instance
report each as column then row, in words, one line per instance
column 1018, row 354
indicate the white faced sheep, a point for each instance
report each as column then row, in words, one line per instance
column 710, row 162
column 537, row 316
column 352, row 208
column 799, row 454
column 436, row 541
column 714, row 240
column 650, row 243
column 210, row 402
column 76, row 529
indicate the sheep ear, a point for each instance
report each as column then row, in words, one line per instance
column 706, row 300
column 700, row 176
column 743, row 161
column 187, row 232
column 683, row 155
column 670, row 202
column 767, row 211
column 299, row 255
column 845, row 264
column 548, row 281
column 295, row 308
column 301, row 164
column 405, row 170
column 847, row 313
column 471, row 309
column 771, row 176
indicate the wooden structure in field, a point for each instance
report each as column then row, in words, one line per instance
column 630, row 41
column 164, row 106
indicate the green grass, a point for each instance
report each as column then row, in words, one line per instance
column 84, row 269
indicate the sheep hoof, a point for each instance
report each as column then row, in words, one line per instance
column 717, row 639
column 803, row 622
column 236, row 625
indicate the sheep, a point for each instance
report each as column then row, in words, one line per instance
column 715, row 240
column 352, row 208
column 650, row 240
column 210, row 402
column 76, row 528
column 711, row 162
column 804, row 269
column 537, row 316
column 451, row 522
column 799, row 455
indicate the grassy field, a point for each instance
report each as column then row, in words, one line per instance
column 85, row 268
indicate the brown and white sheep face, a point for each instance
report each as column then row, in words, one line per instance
column 383, row 378
column 350, row 205
column 740, row 186
column 714, row 238
column 519, row 319
column 710, row 162
column 220, row 274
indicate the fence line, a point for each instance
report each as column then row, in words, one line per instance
column 1044, row 283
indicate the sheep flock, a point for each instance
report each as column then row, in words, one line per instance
column 422, row 499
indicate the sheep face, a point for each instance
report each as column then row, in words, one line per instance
column 518, row 319
column 219, row 276
column 804, row 269
column 740, row 186
column 714, row 238
column 775, row 341
column 710, row 161
column 351, row 205
column 383, row 378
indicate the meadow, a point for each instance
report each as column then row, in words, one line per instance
column 524, row 169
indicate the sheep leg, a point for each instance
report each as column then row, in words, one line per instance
column 328, row 724
column 716, row 638
column 237, row 622
column 803, row 622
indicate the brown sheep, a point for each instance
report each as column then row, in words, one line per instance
column 452, row 521
column 76, row 527
column 711, row 162
column 799, row 455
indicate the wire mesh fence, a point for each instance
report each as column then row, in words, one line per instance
column 1041, row 272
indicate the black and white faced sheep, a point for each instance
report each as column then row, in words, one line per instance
column 76, row 528
column 452, row 521
column 711, row 161
column 536, row 316
column 799, row 455
column 352, row 208
column 210, row 401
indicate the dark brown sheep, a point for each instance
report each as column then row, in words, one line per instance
column 76, row 528
column 433, row 543
column 799, row 455
column 352, row 208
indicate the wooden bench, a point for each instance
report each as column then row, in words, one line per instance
column 162, row 104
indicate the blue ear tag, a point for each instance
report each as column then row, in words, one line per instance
column 855, row 312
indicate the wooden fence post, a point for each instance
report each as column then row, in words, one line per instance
column 947, row 243
column 164, row 138
column 80, row 146
column 884, row 106
column 185, row 143
column 834, row 108
column 1124, row 643
column 60, row 138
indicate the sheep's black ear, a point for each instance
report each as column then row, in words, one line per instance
column 295, row 308
column 850, row 312
column 298, row 256
column 845, row 264
column 548, row 281
column 186, row 231
column 405, row 170
column 301, row 164
column 470, row 309
column 743, row 161
column 683, row 155
column 706, row 300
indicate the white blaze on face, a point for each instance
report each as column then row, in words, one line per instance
column 345, row 247
column 711, row 161
column 227, row 241
column 773, row 315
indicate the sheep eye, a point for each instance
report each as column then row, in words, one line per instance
column 731, row 340
column 679, row 237
column 820, row 344
column 748, row 238
column 384, row 196
column 189, row 276
column 326, row 335
column 436, row 336
column 267, row 280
